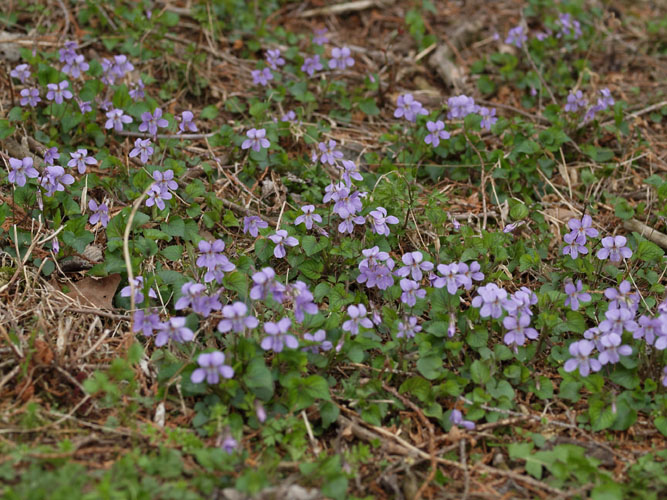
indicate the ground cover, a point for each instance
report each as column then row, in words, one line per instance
column 383, row 249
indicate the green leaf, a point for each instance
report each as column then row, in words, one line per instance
column 416, row 386
column 263, row 249
column 649, row 251
column 329, row 413
column 430, row 366
column 209, row 112
column 173, row 253
column 661, row 425
column 369, row 107
column 236, row 282
column 258, row 379
column 6, row 129
column 480, row 372
column 528, row 146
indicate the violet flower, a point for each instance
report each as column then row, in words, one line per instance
column 468, row 273
column 450, row 277
column 252, row 224
column 617, row 320
column 414, row 264
column 100, row 213
column 349, row 220
column 273, row 59
column 256, row 140
column 311, row 65
column 236, row 318
column 81, row 160
column 186, row 122
column 309, row 216
column 614, row 248
column 50, row 155
column 173, row 329
column 211, row 367
column 408, row 108
column 622, row 297
column 575, row 100
column 648, row 329
column 519, row 330
column 319, row 340
column 329, row 153
column 55, row 179
column 437, row 132
column 21, row 170
column 612, row 349
column 575, row 295
column 488, row 117
column 516, row 36
column 490, row 300
column 21, row 73
column 456, row 418
column 143, row 149
column 146, row 321
column 411, row 292
column 265, row 283
column 117, row 119
column 138, row 291
column 318, row 36
column 409, row 329
column 573, row 248
column 58, row 92
column 278, row 338
column 75, row 66
column 357, row 314
column 341, row 58
column 581, row 228
column 379, row 221
column 460, row 106
column 157, row 197
column 30, row 97
column 151, row 121
column 261, row 76
column 581, row 359
column 281, row 238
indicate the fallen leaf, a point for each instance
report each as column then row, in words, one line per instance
column 92, row 292
column 44, row 354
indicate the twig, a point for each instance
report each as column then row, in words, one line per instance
column 647, row 232
column 143, row 135
column 341, row 8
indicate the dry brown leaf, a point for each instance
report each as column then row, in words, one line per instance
column 93, row 292
column 44, row 354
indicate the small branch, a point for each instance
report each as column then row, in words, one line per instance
column 647, row 232
column 342, row 8
column 143, row 135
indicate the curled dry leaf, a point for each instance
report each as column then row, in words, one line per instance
column 93, row 292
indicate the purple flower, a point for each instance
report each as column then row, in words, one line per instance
column 311, row 65
column 21, row 72
column 186, row 122
column 58, row 92
column 50, row 155
column 460, row 106
column 21, row 170
column 524, row 297
column 582, row 228
column 273, row 59
column 648, row 329
column 157, row 197
column 516, row 36
column 341, row 58
column 137, row 91
column 569, row 26
column 211, row 257
column 468, row 273
column 142, row 148
column 212, row 366
column 451, row 328
column 229, row 444
column 581, row 351
column 411, row 292
column 379, row 221
column 80, row 160
column 290, row 116
column 358, row 318
column 349, row 220
column 309, row 216
column 100, row 213
column 456, row 418
column 264, row 284
column 261, row 76
column 347, row 201
column 281, row 238
column 350, row 171
column 319, row 38
column 450, row 277
column 252, row 224
column 256, row 140
column 116, row 119
column 260, row 411
column 329, row 153
column 54, row 179
column 236, row 318
column 278, row 337
column 575, row 295
column 594, row 335
column 75, row 66
column 151, row 122
column 84, row 106
column 407, row 107
column 614, row 249
column 518, row 330
column 173, row 329
column 612, row 349
column 146, row 321
column 606, row 100
column 617, row 320
column 623, row 297
column 30, row 97
column 575, row 100
column 376, row 269
column 303, row 301
column 664, row 376
column 190, row 292
column 409, row 329
column 413, row 265
column 490, row 300
column 488, row 117
column 68, row 52
column 138, row 290
column 437, row 132
column 121, row 66
column 319, row 340
column 165, row 180
column 573, row 247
